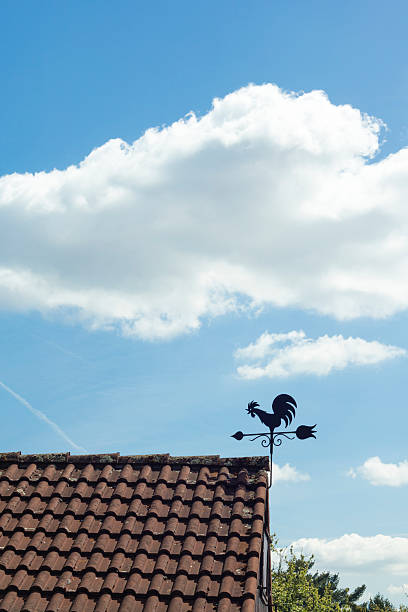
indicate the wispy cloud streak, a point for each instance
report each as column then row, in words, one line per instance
column 60, row 348
column 42, row 417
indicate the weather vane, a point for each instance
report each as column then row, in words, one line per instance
column 283, row 407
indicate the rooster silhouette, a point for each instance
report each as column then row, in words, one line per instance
column 283, row 410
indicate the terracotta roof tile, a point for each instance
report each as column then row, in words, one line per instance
column 111, row 533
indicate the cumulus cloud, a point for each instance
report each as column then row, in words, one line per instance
column 382, row 474
column 287, row 473
column 398, row 589
column 354, row 552
column 266, row 199
column 283, row 355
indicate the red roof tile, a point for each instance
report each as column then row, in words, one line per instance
column 105, row 533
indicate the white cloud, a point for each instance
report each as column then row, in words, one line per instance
column 354, row 552
column 287, row 473
column 266, row 199
column 382, row 474
column 283, row 355
column 398, row 589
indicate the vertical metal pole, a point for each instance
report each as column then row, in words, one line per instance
column 271, row 453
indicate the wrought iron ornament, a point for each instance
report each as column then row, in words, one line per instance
column 283, row 407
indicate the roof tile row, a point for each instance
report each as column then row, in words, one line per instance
column 107, row 533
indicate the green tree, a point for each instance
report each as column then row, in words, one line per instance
column 293, row 588
column 343, row 597
column 379, row 603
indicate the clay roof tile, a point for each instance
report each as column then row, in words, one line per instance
column 105, row 533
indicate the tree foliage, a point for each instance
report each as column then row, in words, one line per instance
column 295, row 588
column 379, row 603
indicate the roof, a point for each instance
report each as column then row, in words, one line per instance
column 104, row 533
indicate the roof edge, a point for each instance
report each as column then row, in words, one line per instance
column 253, row 463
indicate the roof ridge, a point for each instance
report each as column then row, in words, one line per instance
column 256, row 462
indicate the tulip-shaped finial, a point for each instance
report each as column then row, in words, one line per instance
column 305, row 431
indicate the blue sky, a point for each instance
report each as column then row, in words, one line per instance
column 141, row 290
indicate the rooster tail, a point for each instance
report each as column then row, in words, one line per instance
column 283, row 407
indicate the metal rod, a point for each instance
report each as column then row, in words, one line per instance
column 265, row 433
